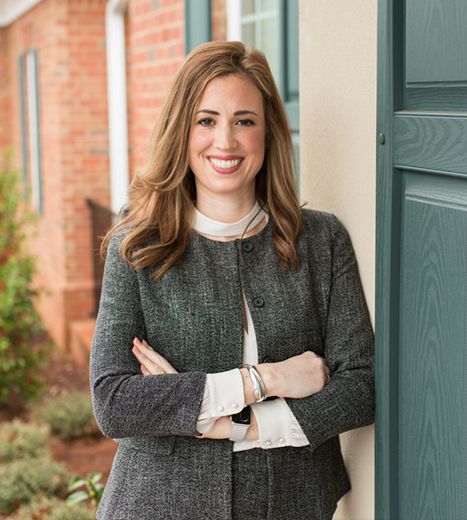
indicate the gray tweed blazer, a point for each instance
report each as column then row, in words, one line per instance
column 193, row 316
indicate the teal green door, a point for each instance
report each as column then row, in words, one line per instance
column 421, row 299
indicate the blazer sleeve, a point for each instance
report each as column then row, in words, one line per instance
column 347, row 402
column 126, row 403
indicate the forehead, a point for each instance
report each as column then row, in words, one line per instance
column 232, row 92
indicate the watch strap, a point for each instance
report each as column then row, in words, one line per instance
column 238, row 432
column 240, row 423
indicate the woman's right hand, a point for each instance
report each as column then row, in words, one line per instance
column 296, row 377
column 151, row 362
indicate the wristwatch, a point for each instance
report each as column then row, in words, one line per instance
column 240, row 422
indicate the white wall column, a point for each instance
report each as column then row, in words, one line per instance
column 338, row 166
column 116, row 88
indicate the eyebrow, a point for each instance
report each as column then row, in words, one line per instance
column 237, row 113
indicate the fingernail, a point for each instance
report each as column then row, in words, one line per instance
column 137, row 350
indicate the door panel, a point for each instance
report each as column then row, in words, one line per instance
column 430, row 142
column 421, row 290
column 436, row 41
column 432, row 347
column 435, row 64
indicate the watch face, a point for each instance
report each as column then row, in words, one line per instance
column 243, row 417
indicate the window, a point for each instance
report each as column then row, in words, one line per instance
column 259, row 26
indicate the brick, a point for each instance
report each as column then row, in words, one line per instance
column 70, row 38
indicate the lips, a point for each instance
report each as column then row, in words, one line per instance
column 225, row 165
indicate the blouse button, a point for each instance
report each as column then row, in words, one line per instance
column 247, row 247
column 282, row 440
column 268, row 442
column 220, row 408
column 258, row 302
column 234, row 405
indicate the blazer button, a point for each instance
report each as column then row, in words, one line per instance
column 247, row 247
column 258, row 302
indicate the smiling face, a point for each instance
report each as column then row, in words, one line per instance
column 226, row 148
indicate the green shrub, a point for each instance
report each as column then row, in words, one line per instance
column 19, row 440
column 92, row 491
column 20, row 326
column 22, row 480
column 69, row 416
column 53, row 509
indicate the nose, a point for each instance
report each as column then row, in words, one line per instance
column 225, row 137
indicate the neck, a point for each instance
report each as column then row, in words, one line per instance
column 226, row 210
column 251, row 224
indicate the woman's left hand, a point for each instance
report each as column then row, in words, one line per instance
column 222, row 429
column 151, row 362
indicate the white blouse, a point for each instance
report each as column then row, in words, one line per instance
column 223, row 394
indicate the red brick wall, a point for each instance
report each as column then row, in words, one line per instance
column 69, row 36
column 156, row 48
column 219, row 20
column 84, row 144
column 37, row 28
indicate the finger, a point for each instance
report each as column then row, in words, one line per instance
column 152, row 367
column 142, row 350
column 157, row 358
column 145, row 371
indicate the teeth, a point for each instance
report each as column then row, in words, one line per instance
column 224, row 164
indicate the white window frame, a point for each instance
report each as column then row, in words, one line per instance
column 235, row 20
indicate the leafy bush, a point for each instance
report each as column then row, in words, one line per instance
column 94, row 490
column 19, row 440
column 53, row 509
column 20, row 325
column 22, row 480
column 69, row 416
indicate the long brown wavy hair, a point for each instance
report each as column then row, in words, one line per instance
column 160, row 212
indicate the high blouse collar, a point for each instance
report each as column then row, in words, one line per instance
column 207, row 226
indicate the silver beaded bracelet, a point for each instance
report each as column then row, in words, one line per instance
column 259, row 388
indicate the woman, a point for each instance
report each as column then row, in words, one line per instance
column 216, row 267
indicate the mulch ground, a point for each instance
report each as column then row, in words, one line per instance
column 81, row 456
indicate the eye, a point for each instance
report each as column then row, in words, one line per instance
column 206, row 121
column 245, row 122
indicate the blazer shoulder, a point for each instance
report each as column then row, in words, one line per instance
column 320, row 222
column 116, row 238
column 324, row 231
